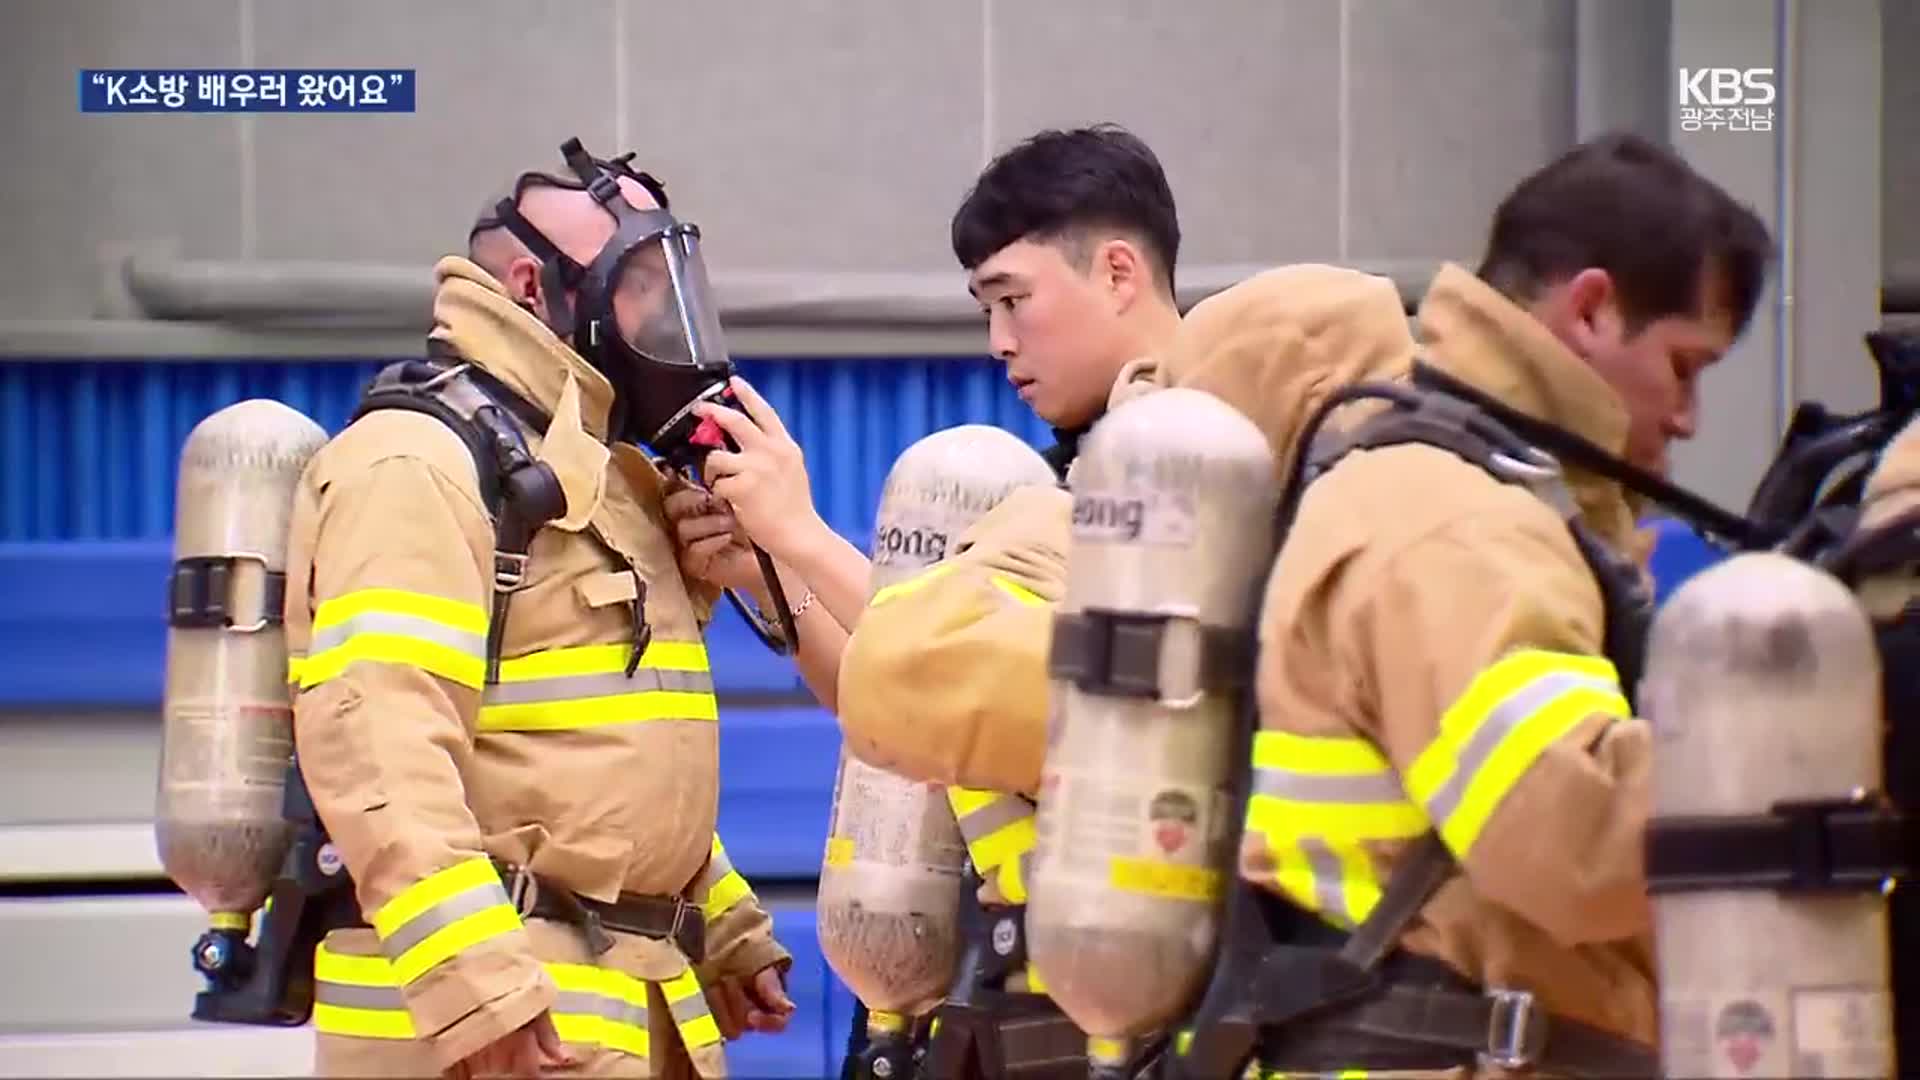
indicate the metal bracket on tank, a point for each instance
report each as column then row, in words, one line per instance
column 1123, row 654
column 1859, row 843
column 200, row 593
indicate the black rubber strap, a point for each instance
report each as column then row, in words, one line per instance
column 1426, row 866
column 1566, row 445
column 1118, row 654
column 200, row 593
column 1814, row 846
column 1505, row 1027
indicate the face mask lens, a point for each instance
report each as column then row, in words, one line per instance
column 700, row 315
column 646, row 309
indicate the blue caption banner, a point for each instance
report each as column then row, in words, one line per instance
column 246, row 90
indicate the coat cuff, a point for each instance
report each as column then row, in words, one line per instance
column 510, row 987
column 490, row 1023
column 740, row 943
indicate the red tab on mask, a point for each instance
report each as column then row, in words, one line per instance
column 708, row 434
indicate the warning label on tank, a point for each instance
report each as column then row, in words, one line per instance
column 1838, row 1032
column 1842, row 1032
column 1163, row 519
column 886, row 819
column 1163, row 843
column 227, row 746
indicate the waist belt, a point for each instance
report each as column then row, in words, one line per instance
column 662, row 918
column 1505, row 1028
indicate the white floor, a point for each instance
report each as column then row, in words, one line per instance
column 235, row 1052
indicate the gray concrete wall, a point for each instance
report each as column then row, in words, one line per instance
column 834, row 137
column 805, row 135
column 1900, row 129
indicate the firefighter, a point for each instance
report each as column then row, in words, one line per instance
column 1070, row 239
column 1440, row 667
column 513, row 744
column 1268, row 346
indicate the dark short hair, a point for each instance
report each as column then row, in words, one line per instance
column 1637, row 210
column 1057, row 184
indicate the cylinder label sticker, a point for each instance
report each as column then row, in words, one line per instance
column 882, row 818
column 1151, row 877
column 1815, row 1032
column 1842, row 1032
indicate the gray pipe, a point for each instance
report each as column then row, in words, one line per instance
column 381, row 296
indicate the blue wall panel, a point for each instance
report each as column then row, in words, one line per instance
column 86, row 517
column 88, row 450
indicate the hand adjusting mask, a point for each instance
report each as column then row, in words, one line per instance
column 645, row 315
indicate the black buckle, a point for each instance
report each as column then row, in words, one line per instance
column 509, row 570
column 1516, row 1031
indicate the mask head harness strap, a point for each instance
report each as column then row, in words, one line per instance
column 560, row 274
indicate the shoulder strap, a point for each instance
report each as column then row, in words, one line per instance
column 521, row 493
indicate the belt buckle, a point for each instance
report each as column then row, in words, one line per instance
column 680, row 906
column 524, row 892
column 1516, row 1032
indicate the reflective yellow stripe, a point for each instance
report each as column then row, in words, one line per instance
column 689, row 1007
column 602, row 659
column 441, row 636
column 998, row 828
column 295, row 664
column 721, row 886
column 361, row 996
column 455, row 938
column 1506, row 718
column 1035, row 984
column 1317, row 801
column 362, row 1023
column 1012, row 878
column 588, row 686
column 1018, row 591
column 913, row 584
column 443, row 915
column 600, row 1006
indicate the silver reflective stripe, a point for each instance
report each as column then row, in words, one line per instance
column 1328, row 884
column 1380, row 787
column 388, row 622
column 996, row 815
column 613, row 684
column 1512, row 711
column 348, row 996
column 585, row 1003
column 688, row 1009
column 626, row 1012
column 455, row 907
column 718, row 867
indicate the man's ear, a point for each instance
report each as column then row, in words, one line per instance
column 1123, row 271
column 1592, row 298
column 523, row 285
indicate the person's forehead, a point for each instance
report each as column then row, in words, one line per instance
column 1018, row 262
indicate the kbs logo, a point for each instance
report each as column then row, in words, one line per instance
column 1726, row 86
column 1726, row 99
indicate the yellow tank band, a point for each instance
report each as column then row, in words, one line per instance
column 1106, row 1051
column 886, row 1023
column 231, row 920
